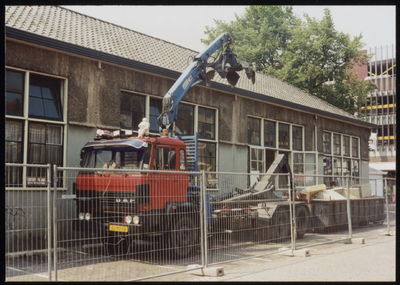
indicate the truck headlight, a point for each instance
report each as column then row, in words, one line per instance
column 81, row 216
column 136, row 220
column 128, row 219
column 87, row 216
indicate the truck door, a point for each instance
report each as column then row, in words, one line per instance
column 166, row 186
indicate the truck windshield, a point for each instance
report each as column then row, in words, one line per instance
column 116, row 157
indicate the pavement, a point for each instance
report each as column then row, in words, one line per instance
column 375, row 260
column 372, row 261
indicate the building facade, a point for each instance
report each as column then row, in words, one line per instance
column 64, row 82
column 381, row 108
column 68, row 74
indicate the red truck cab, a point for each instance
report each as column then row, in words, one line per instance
column 131, row 193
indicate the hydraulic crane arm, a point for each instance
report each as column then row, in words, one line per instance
column 226, row 64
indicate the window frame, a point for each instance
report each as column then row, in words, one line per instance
column 26, row 120
column 252, row 131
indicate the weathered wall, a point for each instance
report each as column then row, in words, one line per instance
column 94, row 97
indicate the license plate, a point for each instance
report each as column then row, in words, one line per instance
column 116, row 228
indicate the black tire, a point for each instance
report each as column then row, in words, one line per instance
column 183, row 236
column 302, row 221
column 281, row 225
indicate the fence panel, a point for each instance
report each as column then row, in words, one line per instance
column 246, row 222
column 329, row 208
column 27, row 222
column 118, row 224
column 374, row 207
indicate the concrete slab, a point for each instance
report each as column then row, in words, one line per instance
column 298, row 252
column 209, row 271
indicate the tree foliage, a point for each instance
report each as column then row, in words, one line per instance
column 309, row 54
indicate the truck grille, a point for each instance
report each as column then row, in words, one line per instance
column 114, row 201
column 119, row 201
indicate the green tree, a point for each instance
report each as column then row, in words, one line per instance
column 309, row 54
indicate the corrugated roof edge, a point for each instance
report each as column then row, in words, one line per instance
column 106, row 57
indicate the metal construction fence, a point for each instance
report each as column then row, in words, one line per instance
column 82, row 224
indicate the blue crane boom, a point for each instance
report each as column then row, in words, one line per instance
column 226, row 64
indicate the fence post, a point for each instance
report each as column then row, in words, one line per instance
column 348, row 207
column 291, row 213
column 387, row 208
column 55, row 219
column 204, row 217
column 49, row 220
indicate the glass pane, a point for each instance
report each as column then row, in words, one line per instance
column 138, row 103
column 15, row 81
column 260, row 154
column 13, row 103
column 54, row 135
column 283, row 135
column 126, row 119
column 44, row 97
column 35, row 91
column 210, row 116
column 254, row 166
column 13, row 131
column 36, row 107
column 46, row 93
column 36, row 153
column 269, row 133
column 310, row 158
column 253, row 152
column 50, row 109
column 37, row 133
column 54, row 154
column 13, row 152
column 201, row 115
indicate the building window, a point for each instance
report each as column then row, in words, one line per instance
column 346, row 146
column 283, row 135
column 206, row 123
column 297, row 134
column 45, row 144
column 14, row 151
column 35, row 122
column 298, row 163
column 185, row 123
column 257, row 159
column 132, row 110
column 14, row 93
column 346, row 166
column 354, row 147
column 336, row 144
column 327, row 142
column 327, row 170
column 253, row 131
column 44, row 97
column 155, row 111
column 269, row 133
column 207, row 156
column 337, row 166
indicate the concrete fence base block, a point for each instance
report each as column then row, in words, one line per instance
column 209, row 271
column 213, row 271
column 357, row 240
column 300, row 252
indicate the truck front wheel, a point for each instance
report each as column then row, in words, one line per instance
column 184, row 236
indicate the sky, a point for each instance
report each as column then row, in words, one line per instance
column 185, row 25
